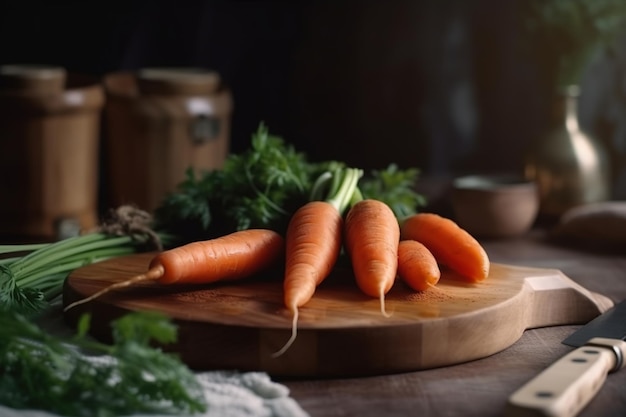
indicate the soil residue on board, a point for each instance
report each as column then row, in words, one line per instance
column 198, row 296
column 402, row 292
column 433, row 294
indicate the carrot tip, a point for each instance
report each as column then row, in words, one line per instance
column 383, row 310
column 152, row 274
column 294, row 332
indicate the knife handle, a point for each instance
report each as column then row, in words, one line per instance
column 567, row 386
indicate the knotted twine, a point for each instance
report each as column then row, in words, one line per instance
column 128, row 220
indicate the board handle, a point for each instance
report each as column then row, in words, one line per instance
column 567, row 386
column 558, row 300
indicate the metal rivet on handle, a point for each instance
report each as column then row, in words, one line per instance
column 619, row 358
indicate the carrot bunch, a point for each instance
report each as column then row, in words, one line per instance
column 379, row 246
column 317, row 233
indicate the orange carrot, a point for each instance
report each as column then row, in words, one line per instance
column 371, row 237
column 234, row 256
column 451, row 245
column 417, row 266
column 313, row 244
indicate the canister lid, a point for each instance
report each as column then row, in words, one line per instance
column 32, row 79
column 185, row 81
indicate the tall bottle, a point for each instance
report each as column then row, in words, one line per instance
column 570, row 166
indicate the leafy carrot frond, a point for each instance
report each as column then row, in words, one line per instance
column 396, row 187
column 264, row 185
column 258, row 188
column 26, row 300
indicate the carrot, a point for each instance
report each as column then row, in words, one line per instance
column 234, row 256
column 371, row 236
column 451, row 245
column 313, row 244
column 417, row 266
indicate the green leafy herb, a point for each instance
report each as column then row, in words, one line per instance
column 260, row 187
column 263, row 186
column 188, row 208
column 82, row 377
column 395, row 187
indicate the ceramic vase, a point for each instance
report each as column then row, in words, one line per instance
column 569, row 165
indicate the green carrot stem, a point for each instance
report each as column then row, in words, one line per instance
column 53, row 286
column 356, row 196
column 58, row 246
column 97, row 253
column 51, row 258
column 53, row 282
column 39, row 278
column 320, row 182
column 54, row 291
column 8, row 261
column 41, row 275
column 347, row 185
column 48, row 265
column 22, row 247
column 30, row 280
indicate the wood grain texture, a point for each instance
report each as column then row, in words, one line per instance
column 49, row 157
column 341, row 331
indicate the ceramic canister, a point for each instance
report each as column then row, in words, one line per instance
column 161, row 122
column 49, row 141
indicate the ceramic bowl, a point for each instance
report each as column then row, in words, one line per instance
column 495, row 206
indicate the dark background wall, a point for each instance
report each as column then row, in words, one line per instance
column 441, row 85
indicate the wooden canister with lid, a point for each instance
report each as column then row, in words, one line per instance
column 160, row 122
column 49, row 151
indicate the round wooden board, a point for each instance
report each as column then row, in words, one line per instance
column 238, row 325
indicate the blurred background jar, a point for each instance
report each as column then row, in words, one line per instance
column 159, row 123
column 49, row 141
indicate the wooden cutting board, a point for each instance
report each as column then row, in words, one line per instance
column 239, row 325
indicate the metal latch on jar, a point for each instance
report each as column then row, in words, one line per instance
column 204, row 128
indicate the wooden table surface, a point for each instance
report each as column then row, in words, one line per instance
column 482, row 387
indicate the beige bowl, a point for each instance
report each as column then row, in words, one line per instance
column 495, row 206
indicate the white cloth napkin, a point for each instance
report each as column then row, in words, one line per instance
column 228, row 394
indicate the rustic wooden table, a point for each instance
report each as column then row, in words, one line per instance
column 482, row 387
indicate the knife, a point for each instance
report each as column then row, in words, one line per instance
column 567, row 386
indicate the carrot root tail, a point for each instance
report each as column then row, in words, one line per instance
column 383, row 309
column 152, row 274
column 292, row 338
